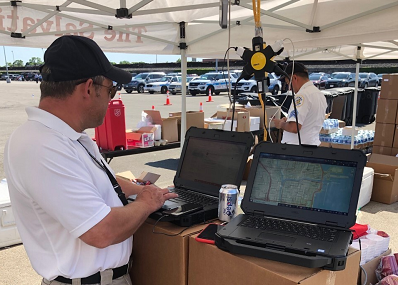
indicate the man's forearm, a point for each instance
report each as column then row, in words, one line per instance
column 290, row 127
column 128, row 187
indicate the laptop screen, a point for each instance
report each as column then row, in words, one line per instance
column 313, row 184
column 212, row 162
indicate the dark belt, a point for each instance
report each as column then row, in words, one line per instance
column 96, row 278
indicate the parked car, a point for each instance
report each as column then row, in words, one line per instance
column 251, row 85
column 275, row 84
column 319, row 79
column 138, row 82
column 367, row 80
column 380, row 76
column 175, row 86
column 244, row 86
column 161, row 85
column 215, row 82
column 340, row 79
column 29, row 76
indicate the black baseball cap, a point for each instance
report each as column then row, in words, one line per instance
column 74, row 57
column 298, row 68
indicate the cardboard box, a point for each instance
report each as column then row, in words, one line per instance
column 270, row 112
column 389, row 87
column 242, row 117
column 394, row 151
column 325, row 144
column 159, row 258
column 384, row 134
column 210, row 265
column 370, row 268
column 193, row 119
column 385, row 184
column 247, row 167
column 382, row 150
column 395, row 140
column 169, row 125
column 386, row 111
column 144, row 176
column 143, row 137
column 341, row 124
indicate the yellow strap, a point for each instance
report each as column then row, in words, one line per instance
column 256, row 12
column 265, row 119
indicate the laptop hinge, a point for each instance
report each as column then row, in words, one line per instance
column 333, row 224
column 258, row 213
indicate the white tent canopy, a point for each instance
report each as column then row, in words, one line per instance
column 154, row 26
column 310, row 29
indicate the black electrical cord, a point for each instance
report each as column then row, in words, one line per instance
column 180, row 232
column 222, row 69
column 296, row 114
column 233, row 105
column 363, row 269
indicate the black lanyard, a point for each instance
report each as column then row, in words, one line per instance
column 115, row 185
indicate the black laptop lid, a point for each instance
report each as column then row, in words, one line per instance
column 315, row 185
column 211, row 158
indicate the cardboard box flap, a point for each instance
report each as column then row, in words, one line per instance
column 383, row 159
column 133, row 136
column 384, row 176
column 383, row 169
column 148, row 129
column 155, row 115
column 149, row 176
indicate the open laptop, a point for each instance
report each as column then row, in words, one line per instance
column 209, row 159
column 299, row 204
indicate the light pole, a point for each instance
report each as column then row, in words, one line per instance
column 13, row 60
column 5, row 59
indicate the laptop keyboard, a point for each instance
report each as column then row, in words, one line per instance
column 313, row 232
column 191, row 197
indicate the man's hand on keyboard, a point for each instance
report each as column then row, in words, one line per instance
column 154, row 196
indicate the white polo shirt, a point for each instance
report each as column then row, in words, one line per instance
column 311, row 107
column 58, row 193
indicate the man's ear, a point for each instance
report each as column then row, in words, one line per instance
column 88, row 86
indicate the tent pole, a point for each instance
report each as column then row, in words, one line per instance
column 354, row 107
column 183, row 95
column 183, row 52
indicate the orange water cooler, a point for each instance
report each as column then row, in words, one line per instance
column 111, row 135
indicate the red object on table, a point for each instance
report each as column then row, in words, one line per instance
column 359, row 230
column 111, row 135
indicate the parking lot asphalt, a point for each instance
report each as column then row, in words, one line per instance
column 14, row 264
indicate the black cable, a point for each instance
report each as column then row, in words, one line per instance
column 170, row 235
column 183, row 230
column 233, row 105
column 222, row 68
column 295, row 111
column 363, row 269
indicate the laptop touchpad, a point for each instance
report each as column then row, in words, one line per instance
column 276, row 237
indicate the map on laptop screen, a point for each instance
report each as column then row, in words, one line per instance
column 306, row 183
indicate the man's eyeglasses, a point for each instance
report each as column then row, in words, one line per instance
column 112, row 89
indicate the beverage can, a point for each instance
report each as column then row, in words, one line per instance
column 228, row 199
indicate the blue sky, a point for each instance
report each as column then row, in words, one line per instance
column 24, row 54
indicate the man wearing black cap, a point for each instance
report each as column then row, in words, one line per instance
column 72, row 222
column 311, row 107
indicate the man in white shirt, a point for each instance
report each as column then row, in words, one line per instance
column 311, row 107
column 73, row 224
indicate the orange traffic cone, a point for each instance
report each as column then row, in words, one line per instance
column 168, row 99
column 120, row 96
column 209, row 99
column 153, row 107
column 201, row 107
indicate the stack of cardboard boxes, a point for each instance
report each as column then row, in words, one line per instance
column 386, row 136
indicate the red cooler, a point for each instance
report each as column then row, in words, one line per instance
column 111, row 135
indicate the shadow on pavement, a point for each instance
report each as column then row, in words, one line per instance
column 171, row 163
